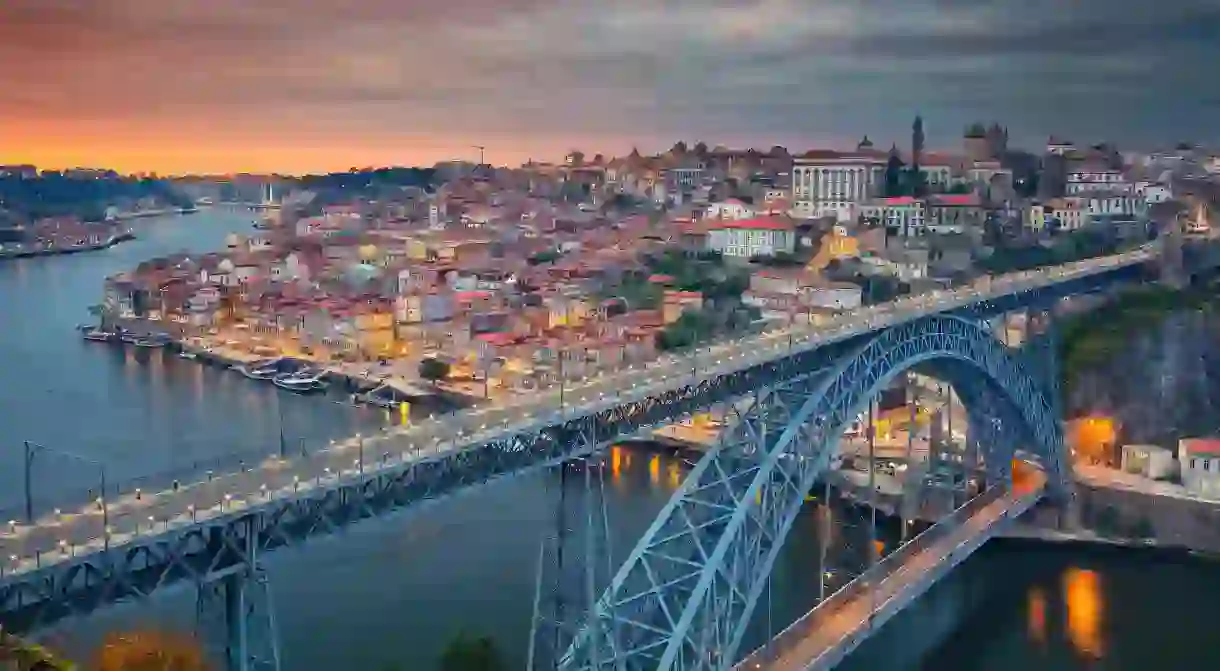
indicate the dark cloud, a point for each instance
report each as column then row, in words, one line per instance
column 555, row 71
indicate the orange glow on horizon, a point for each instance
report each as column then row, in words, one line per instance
column 211, row 149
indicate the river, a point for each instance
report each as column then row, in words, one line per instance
column 390, row 594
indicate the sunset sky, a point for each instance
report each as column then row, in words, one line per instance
column 309, row 85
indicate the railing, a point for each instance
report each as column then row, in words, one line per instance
column 839, row 603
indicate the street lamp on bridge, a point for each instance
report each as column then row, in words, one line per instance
column 32, row 450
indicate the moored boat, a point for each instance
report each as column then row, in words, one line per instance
column 264, row 369
column 99, row 335
column 152, row 341
column 302, row 382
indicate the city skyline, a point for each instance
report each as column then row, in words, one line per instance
column 292, row 87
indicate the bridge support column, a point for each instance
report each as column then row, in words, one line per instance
column 575, row 560
column 234, row 606
column 237, row 645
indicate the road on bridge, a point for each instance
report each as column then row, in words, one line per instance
column 820, row 634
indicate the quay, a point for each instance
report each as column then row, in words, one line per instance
column 73, row 249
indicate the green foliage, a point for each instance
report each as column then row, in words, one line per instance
column 1092, row 340
column 547, row 256
column 895, row 183
column 779, row 260
column 1074, row 246
column 691, row 327
column 374, row 184
column 466, row 653
column 705, row 272
column 433, row 370
column 55, row 195
column 637, row 292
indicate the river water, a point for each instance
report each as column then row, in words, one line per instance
column 389, row 594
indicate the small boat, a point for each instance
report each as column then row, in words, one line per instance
column 302, row 382
column 152, row 341
column 187, row 355
column 98, row 335
column 128, row 337
column 264, row 369
column 383, row 396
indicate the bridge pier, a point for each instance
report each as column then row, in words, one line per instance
column 234, row 609
column 237, row 643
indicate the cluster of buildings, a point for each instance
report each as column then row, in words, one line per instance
column 514, row 275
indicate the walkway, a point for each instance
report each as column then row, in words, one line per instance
column 62, row 535
column 825, row 635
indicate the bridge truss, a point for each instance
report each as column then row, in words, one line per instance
column 684, row 597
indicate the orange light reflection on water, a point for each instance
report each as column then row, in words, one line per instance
column 1085, row 606
column 1036, row 614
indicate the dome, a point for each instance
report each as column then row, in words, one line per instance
column 368, row 252
column 225, row 266
column 232, row 240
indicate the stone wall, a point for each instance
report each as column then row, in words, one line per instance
column 1165, row 521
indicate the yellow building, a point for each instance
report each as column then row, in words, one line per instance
column 836, row 244
column 375, row 332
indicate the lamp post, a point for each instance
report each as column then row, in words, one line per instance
column 562, row 379
column 279, row 414
column 34, row 449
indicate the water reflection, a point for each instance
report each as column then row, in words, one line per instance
column 1085, row 605
column 1036, row 615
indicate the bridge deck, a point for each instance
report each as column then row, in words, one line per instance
column 62, row 539
column 825, row 635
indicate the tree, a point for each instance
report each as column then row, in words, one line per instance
column 466, row 653
column 150, row 651
column 894, row 169
column 433, row 370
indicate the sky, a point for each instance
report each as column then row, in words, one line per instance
column 311, row 85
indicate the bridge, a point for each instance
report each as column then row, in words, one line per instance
column 685, row 595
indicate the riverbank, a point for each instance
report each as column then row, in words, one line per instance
column 162, row 212
column 63, row 251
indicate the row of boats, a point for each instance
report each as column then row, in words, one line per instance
column 155, row 340
column 286, row 373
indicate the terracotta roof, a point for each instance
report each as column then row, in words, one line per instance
column 964, row 200
column 1208, row 446
column 839, row 156
column 900, row 200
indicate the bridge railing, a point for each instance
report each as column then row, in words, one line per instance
column 821, row 620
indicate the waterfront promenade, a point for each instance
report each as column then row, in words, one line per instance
column 113, row 522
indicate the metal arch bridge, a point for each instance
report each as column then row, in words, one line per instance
column 211, row 532
column 684, row 597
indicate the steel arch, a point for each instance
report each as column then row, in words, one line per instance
column 683, row 598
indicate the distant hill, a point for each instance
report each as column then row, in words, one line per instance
column 53, row 194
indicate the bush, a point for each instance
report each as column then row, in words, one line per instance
column 433, row 370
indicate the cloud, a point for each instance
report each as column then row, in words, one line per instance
column 548, row 72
